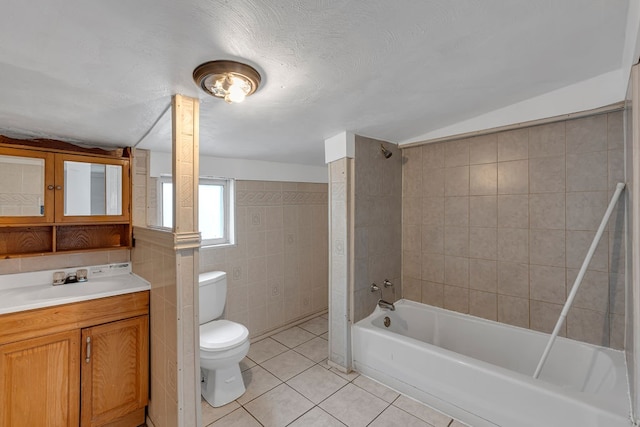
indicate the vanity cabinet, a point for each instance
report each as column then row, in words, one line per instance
column 61, row 198
column 114, row 370
column 43, row 371
column 85, row 363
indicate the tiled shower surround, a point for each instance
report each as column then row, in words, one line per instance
column 278, row 270
column 366, row 229
column 498, row 225
column 378, row 223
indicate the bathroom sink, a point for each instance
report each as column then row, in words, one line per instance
column 29, row 296
column 77, row 289
column 57, row 291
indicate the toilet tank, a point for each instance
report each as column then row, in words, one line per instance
column 213, row 295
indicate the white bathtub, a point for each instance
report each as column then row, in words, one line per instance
column 480, row 371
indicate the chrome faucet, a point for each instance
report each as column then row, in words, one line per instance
column 386, row 304
column 381, row 302
column 63, row 278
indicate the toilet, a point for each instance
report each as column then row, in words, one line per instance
column 223, row 344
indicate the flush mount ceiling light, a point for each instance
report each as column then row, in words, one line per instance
column 229, row 80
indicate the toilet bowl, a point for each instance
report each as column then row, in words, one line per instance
column 223, row 344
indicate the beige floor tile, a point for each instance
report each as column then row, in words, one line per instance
column 279, row 406
column 325, row 316
column 354, row 406
column 317, row 349
column 238, row 418
column 317, row 325
column 287, row 365
column 317, row 383
column 425, row 413
column 211, row 414
column 377, row 389
column 293, row 337
column 246, row 363
column 310, row 380
column 349, row 377
column 316, row 418
column 265, row 349
column 394, row 417
column 257, row 380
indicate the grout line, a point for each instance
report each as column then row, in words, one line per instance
column 416, row 416
column 381, row 412
column 293, row 323
column 249, row 412
column 314, row 404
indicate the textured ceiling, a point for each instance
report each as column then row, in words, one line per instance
column 104, row 72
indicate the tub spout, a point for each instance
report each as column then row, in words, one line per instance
column 386, row 304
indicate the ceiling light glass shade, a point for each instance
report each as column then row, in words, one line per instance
column 229, row 80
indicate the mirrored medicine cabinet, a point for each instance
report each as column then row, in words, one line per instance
column 84, row 198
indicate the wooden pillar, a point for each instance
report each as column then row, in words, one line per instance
column 185, row 163
column 186, row 244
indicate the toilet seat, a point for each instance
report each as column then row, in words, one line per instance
column 219, row 335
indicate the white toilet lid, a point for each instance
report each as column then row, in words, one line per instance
column 222, row 334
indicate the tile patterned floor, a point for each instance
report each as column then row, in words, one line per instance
column 290, row 384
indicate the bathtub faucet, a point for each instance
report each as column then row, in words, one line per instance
column 381, row 302
column 386, row 304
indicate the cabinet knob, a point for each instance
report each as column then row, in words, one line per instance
column 58, row 187
column 50, row 187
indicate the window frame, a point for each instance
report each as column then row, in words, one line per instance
column 228, row 202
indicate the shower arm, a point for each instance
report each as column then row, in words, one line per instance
column 576, row 285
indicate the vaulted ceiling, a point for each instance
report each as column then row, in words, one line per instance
column 103, row 72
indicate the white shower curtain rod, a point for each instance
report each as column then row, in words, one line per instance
column 576, row 285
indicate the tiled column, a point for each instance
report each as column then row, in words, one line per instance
column 139, row 172
column 339, row 155
column 186, row 244
column 632, row 148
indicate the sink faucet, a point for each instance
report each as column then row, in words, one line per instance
column 71, row 278
column 62, row 278
column 381, row 302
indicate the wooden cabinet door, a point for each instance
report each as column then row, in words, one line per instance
column 40, row 381
column 115, row 370
column 27, row 186
column 75, row 193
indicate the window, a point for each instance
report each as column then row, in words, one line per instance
column 215, row 210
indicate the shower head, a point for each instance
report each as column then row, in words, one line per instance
column 386, row 153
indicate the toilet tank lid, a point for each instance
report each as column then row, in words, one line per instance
column 211, row 276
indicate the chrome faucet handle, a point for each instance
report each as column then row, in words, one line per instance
column 374, row 287
column 387, row 283
column 58, row 278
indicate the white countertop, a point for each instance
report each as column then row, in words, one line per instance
column 27, row 291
